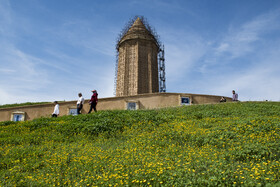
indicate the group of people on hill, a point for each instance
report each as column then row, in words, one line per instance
column 234, row 97
column 92, row 102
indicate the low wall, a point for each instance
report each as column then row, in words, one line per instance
column 144, row 101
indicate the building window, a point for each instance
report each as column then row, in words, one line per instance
column 131, row 106
column 73, row 111
column 18, row 116
column 185, row 101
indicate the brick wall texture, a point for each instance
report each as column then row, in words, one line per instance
column 137, row 63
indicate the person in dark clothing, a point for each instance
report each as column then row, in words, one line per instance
column 93, row 101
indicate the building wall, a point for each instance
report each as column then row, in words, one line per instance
column 137, row 62
column 137, row 68
column 147, row 67
column 127, row 69
column 144, row 101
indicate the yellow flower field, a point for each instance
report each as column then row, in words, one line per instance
column 232, row 144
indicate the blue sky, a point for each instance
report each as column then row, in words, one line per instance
column 52, row 50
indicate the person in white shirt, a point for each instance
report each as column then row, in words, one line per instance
column 80, row 103
column 234, row 96
column 56, row 109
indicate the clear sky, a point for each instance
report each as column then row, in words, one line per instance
column 54, row 49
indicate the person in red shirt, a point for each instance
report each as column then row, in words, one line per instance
column 93, row 101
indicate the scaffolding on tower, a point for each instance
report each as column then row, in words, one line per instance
column 161, row 70
column 161, row 60
column 116, row 72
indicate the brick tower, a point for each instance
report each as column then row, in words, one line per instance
column 137, row 70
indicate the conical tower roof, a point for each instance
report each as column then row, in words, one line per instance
column 138, row 31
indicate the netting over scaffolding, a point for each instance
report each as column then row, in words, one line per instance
column 152, row 33
column 161, row 70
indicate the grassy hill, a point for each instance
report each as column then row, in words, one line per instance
column 25, row 104
column 229, row 144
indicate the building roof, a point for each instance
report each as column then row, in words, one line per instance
column 138, row 31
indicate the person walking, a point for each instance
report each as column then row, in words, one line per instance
column 80, row 103
column 93, row 101
column 56, row 109
column 234, row 96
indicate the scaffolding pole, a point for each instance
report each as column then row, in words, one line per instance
column 116, row 73
column 161, row 70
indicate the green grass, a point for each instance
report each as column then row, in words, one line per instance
column 229, row 144
column 26, row 104
column 22, row 104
